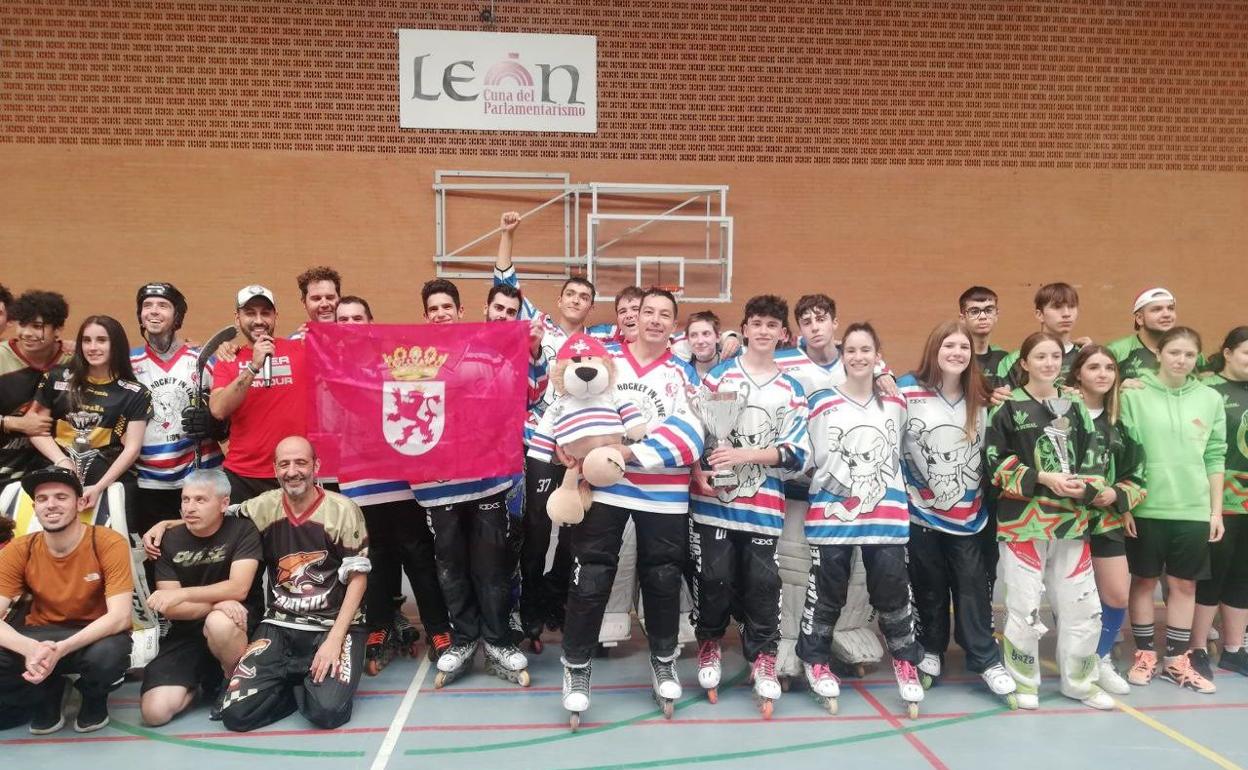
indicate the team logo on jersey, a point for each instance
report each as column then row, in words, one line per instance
column 945, row 460
column 169, row 397
column 245, row 670
column 870, row 459
column 413, row 410
column 294, row 571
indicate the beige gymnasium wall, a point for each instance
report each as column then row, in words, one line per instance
column 888, row 153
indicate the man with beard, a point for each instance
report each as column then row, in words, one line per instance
column 166, row 366
column 79, row 619
column 1155, row 314
column 308, row 651
column 40, row 316
column 261, row 392
column 319, row 288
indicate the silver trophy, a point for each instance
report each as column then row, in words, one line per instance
column 1058, row 431
column 718, row 412
column 80, row 449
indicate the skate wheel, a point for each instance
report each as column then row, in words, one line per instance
column 767, row 707
column 668, row 708
column 536, row 646
column 413, row 650
column 927, row 681
column 373, row 667
column 523, row 679
column 832, row 706
column 713, row 695
column 912, row 710
column 860, row 670
column 574, row 722
column 785, row 684
column 1011, row 700
column 1213, row 649
column 439, row 681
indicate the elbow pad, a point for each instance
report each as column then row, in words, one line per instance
column 351, row 564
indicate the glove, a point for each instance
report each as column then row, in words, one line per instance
column 197, row 422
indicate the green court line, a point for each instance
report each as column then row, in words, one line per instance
column 152, row 735
column 790, row 748
column 569, row 735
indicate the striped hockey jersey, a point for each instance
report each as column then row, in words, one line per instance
column 657, row 478
column 858, row 496
column 366, row 492
column 167, row 455
column 942, row 470
column 775, row 415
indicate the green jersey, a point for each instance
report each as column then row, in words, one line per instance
column 1234, row 395
column 1025, row 438
column 1118, row 459
column 1134, row 358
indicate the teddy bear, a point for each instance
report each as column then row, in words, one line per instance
column 586, row 422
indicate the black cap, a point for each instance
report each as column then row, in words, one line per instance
column 53, row 474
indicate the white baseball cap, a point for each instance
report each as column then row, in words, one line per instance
column 1149, row 296
column 248, row 293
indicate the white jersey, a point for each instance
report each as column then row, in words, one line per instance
column 857, row 496
column 167, row 455
column 657, row 478
column 943, row 471
column 774, row 416
column 366, row 492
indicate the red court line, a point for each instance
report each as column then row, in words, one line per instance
column 512, row 726
column 896, row 724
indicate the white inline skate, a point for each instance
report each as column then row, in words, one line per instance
column 766, row 686
column 710, row 668
column 909, row 686
column 825, row 688
column 666, row 686
column 1002, row 684
column 505, row 661
column 576, row 692
column 454, row 663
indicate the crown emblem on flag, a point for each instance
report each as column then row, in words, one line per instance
column 414, row 363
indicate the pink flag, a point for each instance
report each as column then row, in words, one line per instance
column 418, row 402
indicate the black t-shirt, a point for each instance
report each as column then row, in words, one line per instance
column 118, row 402
column 19, row 382
column 202, row 561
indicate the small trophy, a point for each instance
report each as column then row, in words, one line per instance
column 80, row 450
column 1058, row 431
column 719, row 412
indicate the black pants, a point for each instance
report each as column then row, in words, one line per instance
column 736, row 573
column 151, row 506
column 543, row 593
column 943, row 566
column 470, row 549
column 243, row 488
column 888, row 585
column 662, row 552
column 399, row 541
column 272, row 680
column 100, row 666
column 990, row 550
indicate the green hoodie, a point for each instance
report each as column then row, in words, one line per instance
column 1183, row 432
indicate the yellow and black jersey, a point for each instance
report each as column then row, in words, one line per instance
column 310, row 557
column 19, row 382
column 118, row 402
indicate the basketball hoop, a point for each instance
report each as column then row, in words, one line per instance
column 676, row 289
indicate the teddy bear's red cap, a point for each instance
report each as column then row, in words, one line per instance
column 580, row 345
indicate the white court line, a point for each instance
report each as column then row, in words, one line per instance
column 400, row 717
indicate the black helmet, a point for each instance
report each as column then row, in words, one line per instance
column 164, row 291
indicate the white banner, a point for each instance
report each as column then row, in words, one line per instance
column 497, row 81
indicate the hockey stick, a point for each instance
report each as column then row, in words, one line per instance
column 206, row 352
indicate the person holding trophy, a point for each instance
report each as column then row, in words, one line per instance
column 1038, row 454
column 1181, row 423
column 100, row 412
column 755, row 419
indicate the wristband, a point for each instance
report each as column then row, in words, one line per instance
column 250, row 367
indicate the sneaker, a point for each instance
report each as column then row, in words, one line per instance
column 1179, row 670
column 1109, row 679
column 1234, row 661
column 93, row 715
column 1143, row 668
column 1098, row 699
column 1199, row 657
column 49, row 716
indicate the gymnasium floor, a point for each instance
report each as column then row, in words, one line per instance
column 400, row 721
